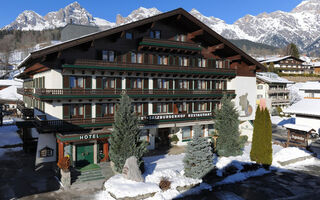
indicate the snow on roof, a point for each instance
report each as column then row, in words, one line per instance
column 299, row 127
column 305, row 106
column 275, row 59
column 311, row 85
column 10, row 82
column 10, row 93
column 270, row 77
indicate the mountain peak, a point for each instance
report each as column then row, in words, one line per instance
column 137, row 14
column 307, row 5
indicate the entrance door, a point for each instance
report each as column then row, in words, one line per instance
column 84, row 154
column 163, row 134
column 175, row 108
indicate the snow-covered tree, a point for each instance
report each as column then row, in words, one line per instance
column 125, row 139
column 198, row 160
column 227, row 125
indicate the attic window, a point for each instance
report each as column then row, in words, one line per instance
column 46, row 152
column 155, row 34
column 129, row 36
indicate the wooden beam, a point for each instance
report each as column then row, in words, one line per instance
column 192, row 35
column 216, row 47
column 178, row 17
column 252, row 67
column 122, row 34
column 236, row 57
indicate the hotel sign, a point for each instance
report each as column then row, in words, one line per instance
column 176, row 116
column 89, row 137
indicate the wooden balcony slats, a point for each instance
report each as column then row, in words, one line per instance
column 170, row 44
column 142, row 67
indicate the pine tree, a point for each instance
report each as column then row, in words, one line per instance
column 125, row 139
column 292, row 50
column 257, row 126
column 261, row 149
column 198, row 160
column 227, row 125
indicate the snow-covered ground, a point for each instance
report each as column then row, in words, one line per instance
column 171, row 166
column 9, row 136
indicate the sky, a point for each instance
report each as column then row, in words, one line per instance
column 227, row 10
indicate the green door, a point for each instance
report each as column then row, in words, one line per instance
column 84, row 154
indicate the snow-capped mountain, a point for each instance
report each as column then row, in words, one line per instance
column 30, row 20
column 138, row 14
column 300, row 26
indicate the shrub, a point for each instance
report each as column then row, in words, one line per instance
column 64, row 164
column 164, row 184
column 243, row 139
column 174, row 139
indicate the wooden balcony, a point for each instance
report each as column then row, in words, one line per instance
column 79, row 124
column 49, row 94
column 25, row 91
column 278, row 91
column 280, row 101
column 155, row 68
column 169, row 45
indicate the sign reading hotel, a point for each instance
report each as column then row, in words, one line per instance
column 88, row 137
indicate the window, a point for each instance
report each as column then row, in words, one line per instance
column 162, row 60
column 76, row 111
column 211, row 129
column 259, row 96
column 107, row 109
column 46, row 152
column 136, row 83
column 108, row 56
column 139, row 58
column 133, row 57
column 202, row 84
column 180, row 37
column 129, row 36
column 183, row 84
column 137, row 108
column 155, row 34
column 108, row 83
column 162, row 108
column 144, row 135
column 182, row 107
column 76, row 82
column 186, row 132
column 162, row 83
column 260, row 87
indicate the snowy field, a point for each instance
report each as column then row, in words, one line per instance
column 9, row 136
column 171, row 166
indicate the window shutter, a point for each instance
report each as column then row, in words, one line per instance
column 226, row 64
column 214, row 63
column 88, row 82
column 208, row 106
column 145, row 83
column 66, row 111
column 146, row 59
column 155, row 83
column 176, row 84
column 155, row 58
column 171, row 60
column 99, row 55
column 170, row 84
column 87, row 111
column 66, row 82
column 99, row 82
column 128, row 83
column 208, row 85
column 98, row 110
column 224, row 85
column 145, row 109
column 196, row 84
column 196, row 106
column 118, row 57
column 190, row 84
column 170, row 107
column 176, row 60
column 190, row 108
column 119, row 83
column 128, row 57
column 154, row 106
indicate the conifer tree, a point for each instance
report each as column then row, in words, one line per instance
column 125, row 139
column 292, row 50
column 198, row 160
column 257, row 126
column 227, row 125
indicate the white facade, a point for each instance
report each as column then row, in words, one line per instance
column 52, row 79
column 246, row 94
column 46, row 140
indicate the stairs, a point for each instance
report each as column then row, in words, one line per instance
column 78, row 176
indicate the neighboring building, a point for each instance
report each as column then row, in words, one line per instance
column 316, row 67
column 71, row 31
column 311, row 90
column 175, row 69
column 306, row 112
column 8, row 93
column 273, row 89
column 288, row 65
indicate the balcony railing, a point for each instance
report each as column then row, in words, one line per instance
column 27, row 112
column 277, row 91
column 114, row 93
column 170, row 44
column 25, row 91
column 80, row 123
column 176, row 69
column 280, row 100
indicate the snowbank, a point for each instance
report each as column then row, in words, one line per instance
column 289, row 153
column 10, row 93
column 3, row 151
column 9, row 136
column 276, row 119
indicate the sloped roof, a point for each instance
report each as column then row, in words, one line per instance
column 299, row 127
column 270, row 77
column 276, row 59
column 104, row 33
column 305, row 107
column 311, row 85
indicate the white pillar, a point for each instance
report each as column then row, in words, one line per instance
column 150, row 109
column 123, row 83
column 151, row 83
column 94, row 82
column 93, row 110
column 95, row 152
column 73, row 153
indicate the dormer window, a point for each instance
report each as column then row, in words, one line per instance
column 108, row 56
column 155, row 34
column 180, row 37
column 129, row 36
